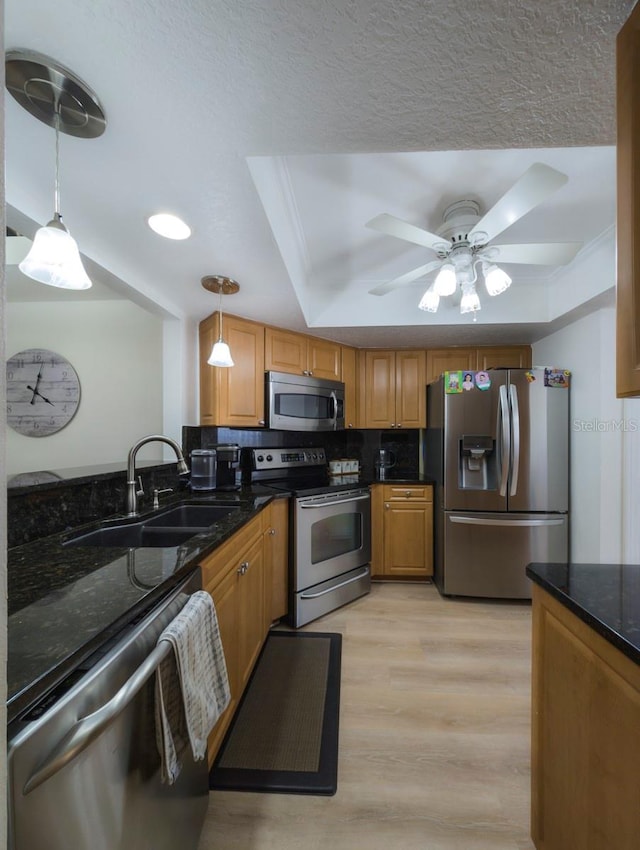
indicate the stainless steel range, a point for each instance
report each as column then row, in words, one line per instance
column 330, row 530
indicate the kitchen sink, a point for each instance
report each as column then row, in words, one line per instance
column 191, row 516
column 170, row 528
column 134, row 536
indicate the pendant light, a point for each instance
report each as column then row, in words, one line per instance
column 55, row 96
column 220, row 353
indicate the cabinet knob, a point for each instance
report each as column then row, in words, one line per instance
column 386, row 506
column 261, row 422
column 272, row 531
column 242, row 569
column 399, row 425
column 407, row 493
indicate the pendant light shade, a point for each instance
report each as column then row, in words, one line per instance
column 430, row 300
column 445, row 282
column 220, row 353
column 55, row 96
column 54, row 258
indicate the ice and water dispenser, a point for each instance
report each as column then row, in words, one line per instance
column 477, row 462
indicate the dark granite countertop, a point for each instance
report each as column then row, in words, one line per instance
column 604, row 596
column 65, row 602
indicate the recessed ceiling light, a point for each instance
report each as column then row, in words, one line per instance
column 169, row 226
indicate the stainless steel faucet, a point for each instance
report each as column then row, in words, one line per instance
column 132, row 486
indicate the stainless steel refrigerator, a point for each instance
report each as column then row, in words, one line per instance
column 497, row 447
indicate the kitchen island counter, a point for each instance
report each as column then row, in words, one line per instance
column 585, row 718
column 604, row 596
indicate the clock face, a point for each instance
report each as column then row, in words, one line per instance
column 43, row 392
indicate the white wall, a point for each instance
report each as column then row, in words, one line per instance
column 116, row 349
column 604, row 434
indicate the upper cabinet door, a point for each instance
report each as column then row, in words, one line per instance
column 411, row 390
column 505, row 357
column 628, row 214
column 285, row 351
column 298, row 354
column 349, row 377
column 380, row 389
column 324, row 359
column 233, row 396
column 441, row 360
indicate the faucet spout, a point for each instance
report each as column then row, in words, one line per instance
column 132, row 487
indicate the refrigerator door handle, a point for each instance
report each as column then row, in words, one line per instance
column 509, row 523
column 505, row 441
column 515, row 430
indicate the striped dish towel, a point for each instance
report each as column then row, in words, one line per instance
column 197, row 670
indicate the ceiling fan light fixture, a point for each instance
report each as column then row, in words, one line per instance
column 445, row 282
column 470, row 303
column 54, row 258
column 496, row 280
column 429, row 301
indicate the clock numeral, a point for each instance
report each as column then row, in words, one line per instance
column 8, row 408
column 10, row 376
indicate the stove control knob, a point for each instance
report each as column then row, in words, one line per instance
column 259, row 458
column 269, row 458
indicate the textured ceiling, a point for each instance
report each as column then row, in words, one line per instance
column 192, row 89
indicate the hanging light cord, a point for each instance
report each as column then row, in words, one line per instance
column 56, row 192
column 220, row 311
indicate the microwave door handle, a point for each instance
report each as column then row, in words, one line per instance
column 334, row 402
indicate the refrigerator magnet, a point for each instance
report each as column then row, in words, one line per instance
column 530, row 377
column 558, row 378
column 483, row 381
column 453, row 382
column 467, row 381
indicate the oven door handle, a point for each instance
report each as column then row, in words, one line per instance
column 364, row 573
column 329, row 503
column 89, row 727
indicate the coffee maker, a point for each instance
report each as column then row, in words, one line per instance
column 227, row 470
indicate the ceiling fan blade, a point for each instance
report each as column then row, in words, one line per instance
column 535, row 186
column 536, row 253
column 405, row 279
column 393, row 226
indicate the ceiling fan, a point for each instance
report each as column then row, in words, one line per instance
column 465, row 241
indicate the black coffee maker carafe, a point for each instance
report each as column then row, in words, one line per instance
column 227, row 470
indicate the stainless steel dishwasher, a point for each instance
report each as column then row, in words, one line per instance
column 83, row 766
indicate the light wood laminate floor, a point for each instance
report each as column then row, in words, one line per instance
column 434, row 735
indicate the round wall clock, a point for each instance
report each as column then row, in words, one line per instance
column 43, row 392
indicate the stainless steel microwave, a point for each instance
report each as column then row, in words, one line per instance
column 301, row 403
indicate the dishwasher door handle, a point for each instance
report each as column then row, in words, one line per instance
column 89, row 727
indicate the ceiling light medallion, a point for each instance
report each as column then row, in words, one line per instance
column 220, row 353
column 169, row 226
column 55, row 96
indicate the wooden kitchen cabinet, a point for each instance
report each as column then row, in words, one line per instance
column 298, row 354
column 232, row 396
column 276, row 560
column 441, row 360
column 349, row 377
column 628, row 208
column 402, row 536
column 394, row 389
column 585, row 744
column 234, row 576
column 504, row 357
